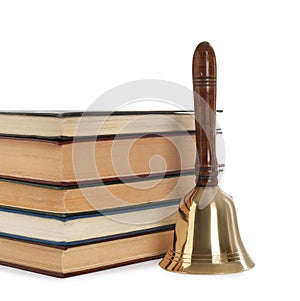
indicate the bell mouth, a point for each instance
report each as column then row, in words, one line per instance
column 226, row 263
column 206, row 238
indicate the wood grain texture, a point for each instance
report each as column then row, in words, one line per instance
column 204, row 83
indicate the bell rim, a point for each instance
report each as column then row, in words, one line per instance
column 197, row 268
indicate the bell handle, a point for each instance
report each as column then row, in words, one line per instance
column 204, row 85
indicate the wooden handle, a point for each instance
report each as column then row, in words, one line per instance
column 204, row 82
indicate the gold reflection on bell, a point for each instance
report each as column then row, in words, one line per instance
column 206, row 238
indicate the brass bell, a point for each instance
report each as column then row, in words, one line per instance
column 206, row 238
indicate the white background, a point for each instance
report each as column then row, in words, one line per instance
column 63, row 54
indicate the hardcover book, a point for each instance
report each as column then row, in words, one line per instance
column 81, row 192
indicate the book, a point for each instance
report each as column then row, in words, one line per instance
column 85, row 228
column 70, row 261
column 66, row 162
column 64, row 125
column 94, row 196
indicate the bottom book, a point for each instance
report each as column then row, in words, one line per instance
column 70, row 261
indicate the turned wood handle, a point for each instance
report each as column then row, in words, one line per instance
column 204, row 82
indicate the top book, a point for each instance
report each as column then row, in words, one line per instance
column 64, row 125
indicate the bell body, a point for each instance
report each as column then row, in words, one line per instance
column 206, row 238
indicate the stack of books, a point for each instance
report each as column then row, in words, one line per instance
column 84, row 192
